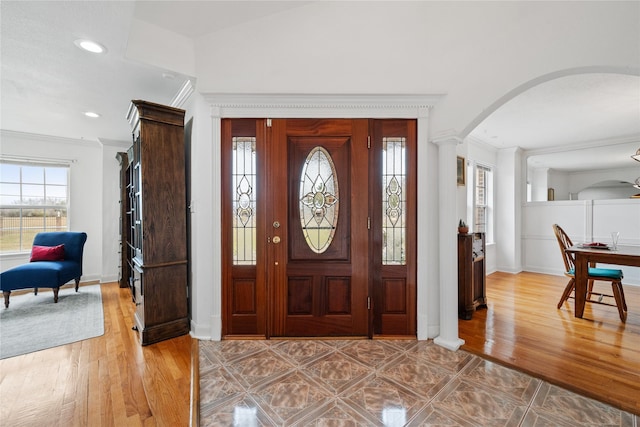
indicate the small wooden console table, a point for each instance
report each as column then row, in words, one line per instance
column 471, row 274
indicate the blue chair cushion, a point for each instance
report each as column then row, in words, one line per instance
column 41, row 274
column 605, row 273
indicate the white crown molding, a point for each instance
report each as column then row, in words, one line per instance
column 115, row 143
column 592, row 171
column 447, row 137
column 595, row 143
column 183, row 94
column 627, row 139
column 320, row 105
column 36, row 137
column 37, row 160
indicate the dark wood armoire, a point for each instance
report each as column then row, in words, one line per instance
column 157, row 245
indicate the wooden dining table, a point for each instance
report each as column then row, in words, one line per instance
column 622, row 255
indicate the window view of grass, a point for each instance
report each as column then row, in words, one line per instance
column 14, row 238
column 33, row 198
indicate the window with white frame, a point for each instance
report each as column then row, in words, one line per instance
column 34, row 197
column 482, row 201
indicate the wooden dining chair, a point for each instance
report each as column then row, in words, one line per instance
column 603, row 274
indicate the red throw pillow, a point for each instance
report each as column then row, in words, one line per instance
column 47, row 253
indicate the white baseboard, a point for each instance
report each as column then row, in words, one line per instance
column 200, row 331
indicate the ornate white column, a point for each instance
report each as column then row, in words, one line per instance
column 447, row 186
column 427, row 247
column 205, row 296
column 216, row 221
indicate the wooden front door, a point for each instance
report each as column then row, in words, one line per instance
column 318, row 227
column 318, row 248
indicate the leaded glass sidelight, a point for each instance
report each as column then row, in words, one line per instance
column 319, row 200
column 244, row 200
column 394, row 203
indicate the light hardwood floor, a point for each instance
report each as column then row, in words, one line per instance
column 105, row 381
column 597, row 356
column 113, row 381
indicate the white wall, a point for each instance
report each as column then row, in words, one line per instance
column 474, row 52
column 578, row 181
column 538, row 178
column 568, row 185
column 604, row 192
column 172, row 51
column 584, row 221
column 559, row 181
column 478, row 54
column 110, row 214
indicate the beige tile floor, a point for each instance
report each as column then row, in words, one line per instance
column 379, row 383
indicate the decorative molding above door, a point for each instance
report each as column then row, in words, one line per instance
column 323, row 106
column 320, row 105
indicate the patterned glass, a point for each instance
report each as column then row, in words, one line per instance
column 394, row 203
column 244, row 202
column 319, row 200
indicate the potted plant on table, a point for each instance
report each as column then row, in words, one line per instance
column 462, row 227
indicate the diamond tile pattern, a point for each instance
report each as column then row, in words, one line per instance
column 379, row 383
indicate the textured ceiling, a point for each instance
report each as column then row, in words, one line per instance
column 578, row 122
column 583, row 107
column 47, row 82
column 193, row 19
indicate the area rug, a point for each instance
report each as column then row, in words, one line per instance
column 35, row 322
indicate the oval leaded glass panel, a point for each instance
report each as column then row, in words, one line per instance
column 319, row 200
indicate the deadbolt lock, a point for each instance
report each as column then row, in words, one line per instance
column 276, row 224
column 276, row 239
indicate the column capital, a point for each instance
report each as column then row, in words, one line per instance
column 447, row 138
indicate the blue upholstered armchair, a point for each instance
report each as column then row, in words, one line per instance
column 67, row 265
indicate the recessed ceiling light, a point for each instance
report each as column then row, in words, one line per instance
column 91, row 114
column 90, row 46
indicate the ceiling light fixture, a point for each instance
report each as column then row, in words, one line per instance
column 636, row 156
column 637, row 183
column 91, row 114
column 90, row 46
